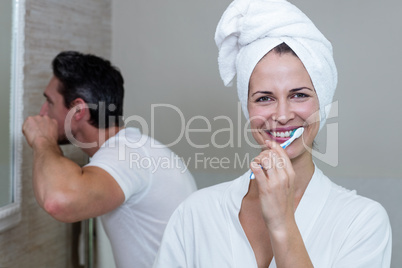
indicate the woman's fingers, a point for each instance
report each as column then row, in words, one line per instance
column 283, row 164
column 274, row 176
column 273, row 162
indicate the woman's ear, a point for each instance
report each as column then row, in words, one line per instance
column 80, row 108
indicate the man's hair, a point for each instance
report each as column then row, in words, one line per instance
column 94, row 80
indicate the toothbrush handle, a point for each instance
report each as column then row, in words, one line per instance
column 286, row 144
column 252, row 176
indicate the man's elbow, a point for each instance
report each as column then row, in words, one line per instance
column 60, row 208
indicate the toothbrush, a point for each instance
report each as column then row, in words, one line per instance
column 296, row 133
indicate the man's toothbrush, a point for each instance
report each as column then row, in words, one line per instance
column 296, row 133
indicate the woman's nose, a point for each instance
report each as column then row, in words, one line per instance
column 283, row 112
column 44, row 109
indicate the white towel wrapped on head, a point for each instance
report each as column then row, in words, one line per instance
column 249, row 29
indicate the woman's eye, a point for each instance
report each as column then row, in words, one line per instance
column 300, row 95
column 264, row 98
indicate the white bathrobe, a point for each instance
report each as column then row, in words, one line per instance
column 339, row 228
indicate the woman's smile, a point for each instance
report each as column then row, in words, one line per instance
column 281, row 135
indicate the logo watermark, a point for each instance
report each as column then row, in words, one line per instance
column 235, row 132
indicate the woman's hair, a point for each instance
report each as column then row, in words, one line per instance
column 94, row 80
column 280, row 49
column 283, row 48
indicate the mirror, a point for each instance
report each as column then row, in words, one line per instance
column 5, row 77
column 11, row 74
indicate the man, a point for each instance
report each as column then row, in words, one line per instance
column 122, row 183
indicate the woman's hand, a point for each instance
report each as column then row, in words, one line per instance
column 275, row 186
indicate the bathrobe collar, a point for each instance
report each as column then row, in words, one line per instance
column 306, row 214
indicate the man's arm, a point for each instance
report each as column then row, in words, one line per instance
column 66, row 191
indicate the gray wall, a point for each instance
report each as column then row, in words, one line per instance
column 167, row 54
column 51, row 26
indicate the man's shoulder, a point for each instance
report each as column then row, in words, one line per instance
column 130, row 142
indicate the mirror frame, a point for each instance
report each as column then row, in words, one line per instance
column 10, row 215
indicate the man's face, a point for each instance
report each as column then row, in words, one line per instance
column 54, row 108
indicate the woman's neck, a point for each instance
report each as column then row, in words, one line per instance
column 304, row 169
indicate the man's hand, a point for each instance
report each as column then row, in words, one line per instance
column 40, row 128
column 62, row 188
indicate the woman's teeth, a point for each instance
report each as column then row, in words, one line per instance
column 278, row 134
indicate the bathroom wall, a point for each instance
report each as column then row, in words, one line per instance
column 51, row 26
column 167, row 54
column 171, row 57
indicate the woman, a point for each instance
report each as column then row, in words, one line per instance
column 291, row 214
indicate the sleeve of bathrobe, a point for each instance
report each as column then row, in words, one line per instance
column 368, row 241
column 172, row 249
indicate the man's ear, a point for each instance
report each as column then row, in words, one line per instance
column 80, row 109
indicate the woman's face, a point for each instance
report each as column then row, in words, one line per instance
column 282, row 98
